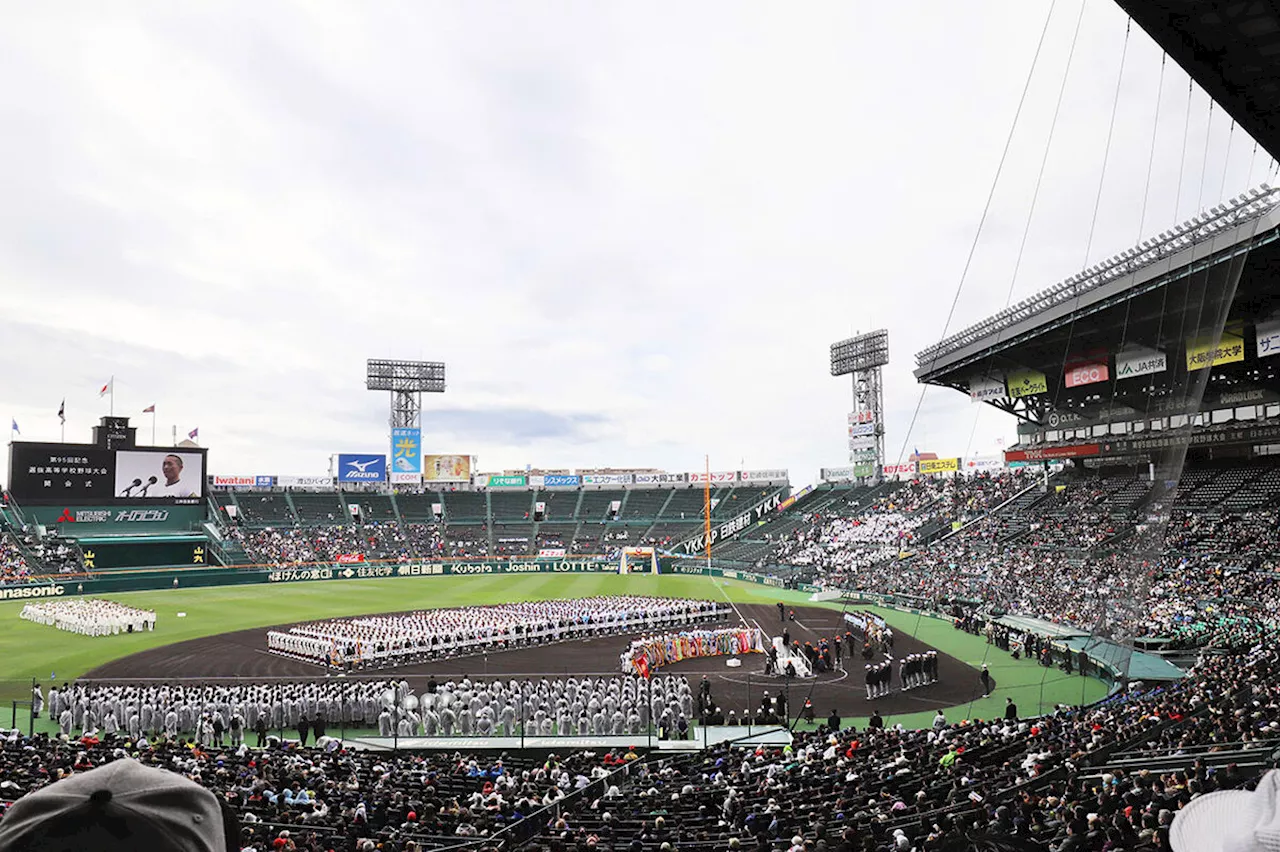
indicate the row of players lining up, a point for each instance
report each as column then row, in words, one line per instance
column 558, row 706
column 90, row 617
column 382, row 640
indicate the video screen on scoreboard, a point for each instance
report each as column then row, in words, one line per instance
column 159, row 475
column 84, row 474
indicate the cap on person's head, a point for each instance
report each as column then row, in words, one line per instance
column 1231, row 820
column 117, row 807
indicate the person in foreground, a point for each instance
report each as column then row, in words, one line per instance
column 120, row 807
column 1229, row 820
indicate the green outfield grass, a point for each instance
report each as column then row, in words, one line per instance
column 33, row 651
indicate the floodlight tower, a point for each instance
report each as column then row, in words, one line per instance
column 407, row 381
column 862, row 357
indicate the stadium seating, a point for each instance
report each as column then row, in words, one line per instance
column 1115, row 773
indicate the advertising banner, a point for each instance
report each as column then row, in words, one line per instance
column 761, row 475
column 237, row 481
column 715, row 476
column 983, row 464
column 939, row 465
column 356, row 467
column 1048, row 453
column 1203, row 351
column 406, row 451
column 305, row 481
column 904, row 469
column 264, row 481
column 1086, row 370
column 405, row 478
column 607, row 479
column 1268, row 338
column 863, row 444
column 860, row 429
column 730, row 528
column 1140, row 361
column 983, row 389
column 864, row 469
column 499, row 481
column 836, row 474
column 100, row 520
column 446, row 468
column 1027, row 383
column 551, row 552
column 857, row 417
column 561, row 480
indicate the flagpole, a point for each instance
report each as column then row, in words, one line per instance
column 111, row 390
column 153, row 425
column 707, row 508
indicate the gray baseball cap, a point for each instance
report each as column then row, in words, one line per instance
column 120, row 806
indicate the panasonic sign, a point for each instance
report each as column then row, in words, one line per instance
column 8, row 594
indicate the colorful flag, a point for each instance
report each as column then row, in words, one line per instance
column 150, row 409
column 193, row 433
column 15, row 426
column 106, row 389
column 62, row 412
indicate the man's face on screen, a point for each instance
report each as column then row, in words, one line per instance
column 172, row 468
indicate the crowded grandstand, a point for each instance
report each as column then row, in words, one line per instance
column 857, row 664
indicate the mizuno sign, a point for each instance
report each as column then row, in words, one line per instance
column 362, row 468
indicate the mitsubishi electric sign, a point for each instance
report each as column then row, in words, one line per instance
column 362, row 468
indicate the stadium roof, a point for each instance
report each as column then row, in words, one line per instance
column 1230, row 48
column 1129, row 299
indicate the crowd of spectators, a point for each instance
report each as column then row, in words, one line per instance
column 13, row 565
column 1045, row 782
column 303, row 545
column 1080, row 552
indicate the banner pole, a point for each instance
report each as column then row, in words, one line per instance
column 706, row 494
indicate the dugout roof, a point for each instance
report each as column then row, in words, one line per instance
column 1231, row 48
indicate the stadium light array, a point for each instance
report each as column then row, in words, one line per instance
column 860, row 353
column 1242, row 210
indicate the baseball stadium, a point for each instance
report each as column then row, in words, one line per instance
column 1069, row 645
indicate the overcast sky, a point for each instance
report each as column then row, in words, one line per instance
column 631, row 230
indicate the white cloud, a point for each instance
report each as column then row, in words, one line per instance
column 631, row 231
